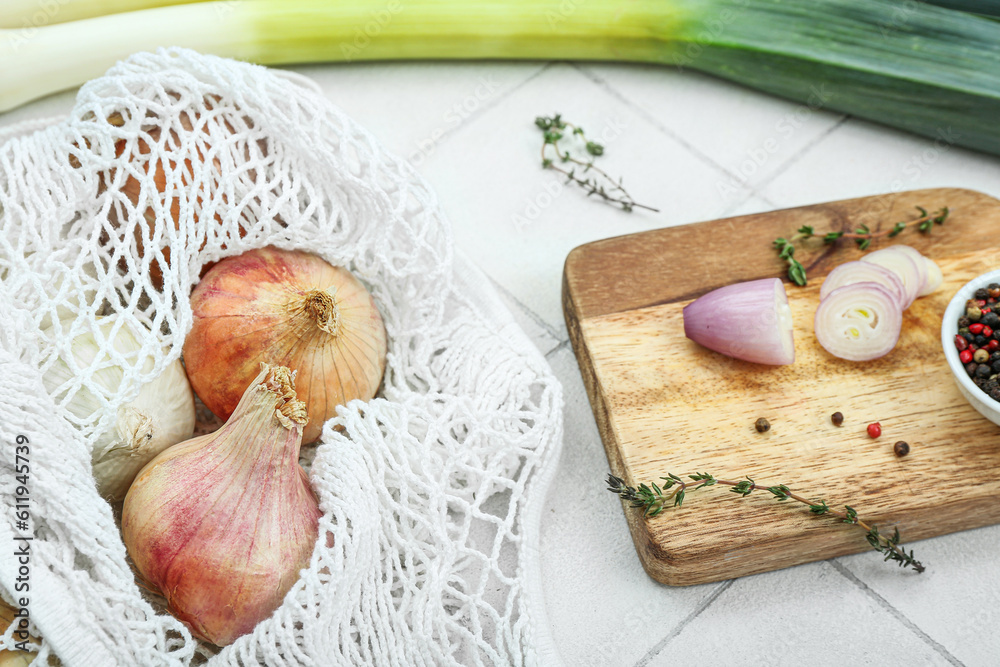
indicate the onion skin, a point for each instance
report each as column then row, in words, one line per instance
column 222, row 524
column 749, row 321
column 273, row 306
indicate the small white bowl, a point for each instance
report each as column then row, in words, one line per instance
column 978, row 399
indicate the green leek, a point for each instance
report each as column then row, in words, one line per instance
column 984, row 7
column 931, row 70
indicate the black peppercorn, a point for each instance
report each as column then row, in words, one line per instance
column 995, row 365
column 971, row 367
column 981, row 340
column 990, row 319
column 901, row 448
column 982, row 294
column 983, row 371
column 995, row 394
column 964, row 322
column 837, row 418
column 762, row 425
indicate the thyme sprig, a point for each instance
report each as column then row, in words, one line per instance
column 863, row 236
column 554, row 129
column 652, row 498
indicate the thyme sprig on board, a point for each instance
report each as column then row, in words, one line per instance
column 863, row 236
column 582, row 172
column 652, row 499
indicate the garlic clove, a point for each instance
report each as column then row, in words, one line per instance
column 161, row 415
column 223, row 523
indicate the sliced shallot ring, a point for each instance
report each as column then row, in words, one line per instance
column 902, row 264
column 858, row 322
column 849, row 273
column 749, row 321
column 923, row 264
column 934, row 277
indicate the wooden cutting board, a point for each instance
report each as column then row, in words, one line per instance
column 664, row 404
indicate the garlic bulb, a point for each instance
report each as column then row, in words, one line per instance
column 161, row 415
column 222, row 524
column 289, row 308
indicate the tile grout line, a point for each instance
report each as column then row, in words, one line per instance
column 795, row 157
column 491, row 104
column 728, row 211
column 652, row 120
column 895, row 613
column 561, row 346
column 705, row 604
column 532, row 315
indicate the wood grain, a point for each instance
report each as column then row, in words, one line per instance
column 664, row 404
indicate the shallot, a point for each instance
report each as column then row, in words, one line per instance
column 864, row 272
column 868, row 328
column 903, row 265
column 858, row 322
column 289, row 308
column 749, row 321
column 222, row 524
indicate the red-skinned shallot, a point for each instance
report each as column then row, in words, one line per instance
column 749, row 321
column 289, row 308
column 222, row 524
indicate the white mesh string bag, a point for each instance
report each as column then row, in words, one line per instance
column 432, row 491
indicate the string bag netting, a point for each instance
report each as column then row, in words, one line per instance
column 432, row 491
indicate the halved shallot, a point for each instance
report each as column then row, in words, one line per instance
column 749, row 321
column 858, row 322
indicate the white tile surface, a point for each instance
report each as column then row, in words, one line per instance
column 806, row 615
column 862, row 158
column 677, row 138
column 414, row 108
column 542, row 334
column 519, row 222
column 750, row 134
column 600, row 600
column 956, row 601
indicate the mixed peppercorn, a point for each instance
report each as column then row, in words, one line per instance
column 978, row 339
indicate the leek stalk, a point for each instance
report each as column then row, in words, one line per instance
column 984, row 7
column 27, row 14
column 931, row 70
